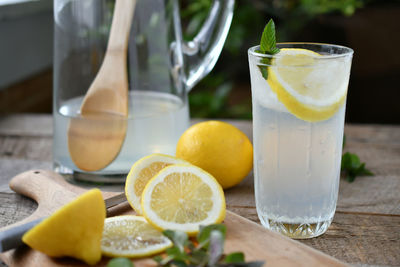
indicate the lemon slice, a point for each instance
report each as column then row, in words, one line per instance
column 131, row 236
column 74, row 230
column 141, row 172
column 311, row 87
column 183, row 197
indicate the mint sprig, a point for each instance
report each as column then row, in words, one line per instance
column 267, row 46
column 120, row 262
column 268, row 39
column 206, row 251
column 353, row 167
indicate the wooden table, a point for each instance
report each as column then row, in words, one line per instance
column 364, row 232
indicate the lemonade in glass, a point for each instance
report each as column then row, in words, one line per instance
column 299, row 97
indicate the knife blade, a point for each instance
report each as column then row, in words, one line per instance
column 114, row 201
column 12, row 237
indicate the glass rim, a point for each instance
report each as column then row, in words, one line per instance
column 349, row 52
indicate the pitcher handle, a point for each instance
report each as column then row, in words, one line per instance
column 201, row 54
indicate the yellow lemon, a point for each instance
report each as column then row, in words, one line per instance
column 218, row 148
column 183, row 197
column 132, row 236
column 74, row 230
column 141, row 172
column 310, row 86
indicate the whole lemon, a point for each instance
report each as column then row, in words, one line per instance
column 220, row 149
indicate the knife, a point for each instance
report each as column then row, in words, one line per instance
column 12, row 237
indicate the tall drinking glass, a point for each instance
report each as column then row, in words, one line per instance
column 298, row 120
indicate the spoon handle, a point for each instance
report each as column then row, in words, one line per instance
column 121, row 24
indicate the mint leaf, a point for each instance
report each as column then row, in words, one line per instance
column 352, row 167
column 179, row 264
column 176, row 254
column 267, row 46
column 206, row 251
column 264, row 69
column 199, row 258
column 236, row 257
column 242, row 264
column 216, row 248
column 120, row 262
column 203, row 237
column 268, row 39
column 158, row 259
column 179, row 238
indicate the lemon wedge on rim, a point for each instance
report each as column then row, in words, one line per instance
column 183, row 197
column 312, row 87
column 141, row 172
column 132, row 236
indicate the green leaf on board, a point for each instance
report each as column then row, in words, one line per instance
column 203, row 237
column 216, row 247
column 179, row 238
column 206, row 251
column 236, row 257
column 120, row 262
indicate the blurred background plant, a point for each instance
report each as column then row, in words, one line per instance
column 226, row 91
column 370, row 27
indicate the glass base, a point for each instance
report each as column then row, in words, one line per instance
column 93, row 178
column 296, row 230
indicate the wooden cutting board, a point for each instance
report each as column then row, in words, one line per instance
column 51, row 191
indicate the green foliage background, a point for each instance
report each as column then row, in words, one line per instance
column 210, row 98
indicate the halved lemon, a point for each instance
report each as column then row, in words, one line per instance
column 183, row 197
column 312, row 87
column 131, row 236
column 141, row 172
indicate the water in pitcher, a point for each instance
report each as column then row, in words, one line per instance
column 155, row 123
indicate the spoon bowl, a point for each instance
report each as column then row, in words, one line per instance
column 95, row 138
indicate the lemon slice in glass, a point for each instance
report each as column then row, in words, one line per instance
column 131, row 236
column 141, row 172
column 183, row 197
column 311, row 86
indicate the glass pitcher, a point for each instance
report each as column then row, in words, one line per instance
column 161, row 69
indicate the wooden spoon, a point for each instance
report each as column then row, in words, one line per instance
column 95, row 138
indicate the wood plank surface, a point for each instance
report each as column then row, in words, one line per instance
column 51, row 191
column 365, row 230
